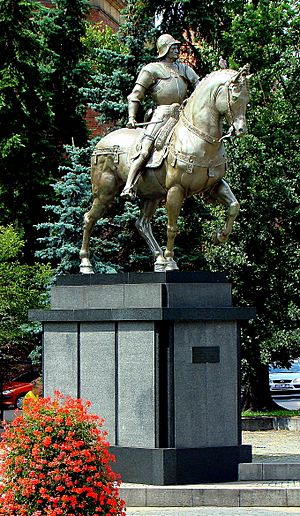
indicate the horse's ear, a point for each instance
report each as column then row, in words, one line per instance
column 242, row 74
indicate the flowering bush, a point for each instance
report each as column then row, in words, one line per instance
column 56, row 462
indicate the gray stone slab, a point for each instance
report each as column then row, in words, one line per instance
column 136, row 384
column 281, row 471
column 133, row 496
column 60, row 359
column 195, row 295
column 143, row 314
column 175, row 497
column 97, row 371
column 105, row 296
column 143, row 296
column 250, row 471
column 88, row 297
column 293, row 497
column 64, row 298
column 218, row 497
column 264, row 497
column 206, row 412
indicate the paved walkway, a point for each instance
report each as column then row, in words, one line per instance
column 274, row 445
column 213, row 511
column 231, row 498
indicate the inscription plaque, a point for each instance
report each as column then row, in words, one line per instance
column 202, row 355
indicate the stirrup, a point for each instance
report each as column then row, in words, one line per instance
column 128, row 194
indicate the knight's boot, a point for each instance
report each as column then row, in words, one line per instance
column 129, row 191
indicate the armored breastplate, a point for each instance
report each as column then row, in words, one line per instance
column 169, row 89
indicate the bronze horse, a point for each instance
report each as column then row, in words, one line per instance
column 195, row 162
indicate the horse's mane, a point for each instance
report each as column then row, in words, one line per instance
column 211, row 81
column 218, row 76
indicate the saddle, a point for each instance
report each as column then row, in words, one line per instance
column 160, row 141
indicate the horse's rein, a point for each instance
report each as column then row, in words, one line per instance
column 206, row 137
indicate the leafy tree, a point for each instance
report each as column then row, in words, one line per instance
column 69, row 69
column 26, row 150
column 41, row 107
column 21, row 287
column 116, row 59
column 263, row 255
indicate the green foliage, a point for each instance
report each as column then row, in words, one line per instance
column 272, row 413
column 25, row 113
column 116, row 59
column 262, row 258
column 21, row 287
column 40, row 104
column 70, row 70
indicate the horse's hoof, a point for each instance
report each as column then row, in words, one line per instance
column 86, row 269
column 171, row 265
column 160, row 264
column 128, row 194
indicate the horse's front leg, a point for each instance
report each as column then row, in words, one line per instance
column 174, row 202
column 105, row 193
column 222, row 193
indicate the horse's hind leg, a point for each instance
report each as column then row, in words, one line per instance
column 143, row 225
column 174, row 202
column 222, row 193
column 105, row 193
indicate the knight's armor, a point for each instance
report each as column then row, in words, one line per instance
column 167, row 83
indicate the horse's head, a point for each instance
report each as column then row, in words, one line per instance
column 232, row 98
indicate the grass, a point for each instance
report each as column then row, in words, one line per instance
column 277, row 413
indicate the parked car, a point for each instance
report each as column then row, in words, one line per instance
column 14, row 391
column 285, row 380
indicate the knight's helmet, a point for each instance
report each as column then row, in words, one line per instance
column 164, row 42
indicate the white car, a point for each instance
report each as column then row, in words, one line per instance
column 283, row 380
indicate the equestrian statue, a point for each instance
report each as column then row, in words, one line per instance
column 179, row 152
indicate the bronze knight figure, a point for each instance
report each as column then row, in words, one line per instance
column 167, row 81
column 179, row 153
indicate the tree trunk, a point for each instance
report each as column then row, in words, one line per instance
column 257, row 396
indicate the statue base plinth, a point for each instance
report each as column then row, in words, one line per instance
column 158, row 356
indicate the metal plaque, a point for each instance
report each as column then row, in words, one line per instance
column 203, row 355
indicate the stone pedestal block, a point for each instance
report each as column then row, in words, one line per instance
column 157, row 354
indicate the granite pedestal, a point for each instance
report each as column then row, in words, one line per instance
column 157, row 354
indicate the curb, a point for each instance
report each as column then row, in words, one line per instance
column 253, row 424
column 236, row 494
column 269, row 471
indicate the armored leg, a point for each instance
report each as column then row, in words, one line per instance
column 128, row 191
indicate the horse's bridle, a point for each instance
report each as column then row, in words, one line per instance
column 206, row 137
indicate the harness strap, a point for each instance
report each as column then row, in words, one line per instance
column 191, row 160
column 196, row 131
column 113, row 151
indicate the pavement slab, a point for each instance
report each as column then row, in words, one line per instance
column 213, row 511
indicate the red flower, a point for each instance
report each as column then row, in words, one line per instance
column 47, row 441
column 56, row 462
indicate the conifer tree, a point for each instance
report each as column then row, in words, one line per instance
column 27, row 151
column 69, row 69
